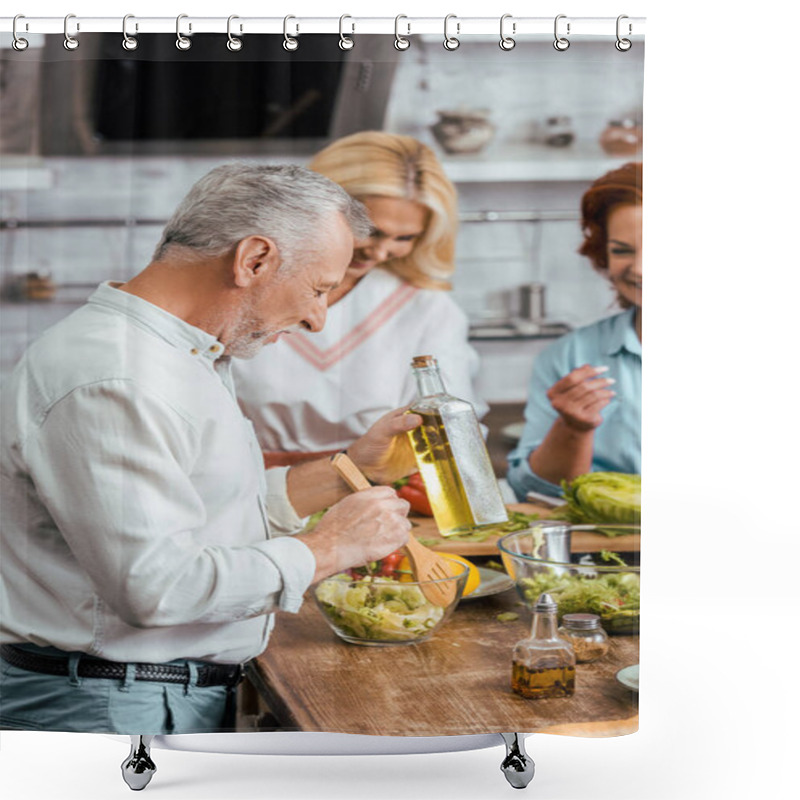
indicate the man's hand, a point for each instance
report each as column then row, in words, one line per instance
column 384, row 452
column 580, row 397
column 362, row 527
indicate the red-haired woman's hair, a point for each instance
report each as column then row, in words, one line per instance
column 621, row 186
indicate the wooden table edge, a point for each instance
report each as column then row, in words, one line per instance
column 594, row 730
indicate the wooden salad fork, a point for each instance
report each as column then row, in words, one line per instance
column 426, row 565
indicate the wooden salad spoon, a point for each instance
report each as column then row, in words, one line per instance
column 426, row 565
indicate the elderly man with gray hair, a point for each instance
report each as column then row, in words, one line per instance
column 142, row 559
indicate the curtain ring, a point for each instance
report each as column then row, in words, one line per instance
column 623, row 45
column 289, row 43
column 451, row 42
column 507, row 42
column 70, row 42
column 19, row 44
column 182, row 42
column 129, row 42
column 345, row 42
column 234, row 44
column 561, row 43
column 400, row 42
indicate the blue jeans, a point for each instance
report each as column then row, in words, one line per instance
column 33, row 701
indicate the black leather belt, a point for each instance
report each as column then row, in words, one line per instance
column 90, row 667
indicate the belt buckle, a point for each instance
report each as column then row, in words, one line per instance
column 238, row 676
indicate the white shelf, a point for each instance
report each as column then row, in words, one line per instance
column 520, row 162
column 21, row 173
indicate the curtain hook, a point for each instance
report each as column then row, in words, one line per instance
column 129, row 42
column 182, row 42
column 19, row 44
column 623, row 45
column 561, row 43
column 234, row 44
column 400, row 42
column 451, row 42
column 70, row 42
column 345, row 42
column 507, row 42
column 289, row 43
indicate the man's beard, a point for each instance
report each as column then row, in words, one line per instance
column 247, row 345
column 247, row 337
column 246, row 340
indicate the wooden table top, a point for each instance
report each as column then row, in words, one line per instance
column 458, row 682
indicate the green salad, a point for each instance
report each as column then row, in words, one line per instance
column 614, row 597
column 383, row 609
column 517, row 521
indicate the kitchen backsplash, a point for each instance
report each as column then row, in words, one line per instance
column 493, row 258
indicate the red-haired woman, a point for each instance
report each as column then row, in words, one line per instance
column 584, row 402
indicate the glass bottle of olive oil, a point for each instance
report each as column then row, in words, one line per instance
column 543, row 666
column 452, row 456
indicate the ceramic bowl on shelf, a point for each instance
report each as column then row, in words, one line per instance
column 622, row 138
column 463, row 130
column 386, row 611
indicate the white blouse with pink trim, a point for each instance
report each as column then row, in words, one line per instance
column 321, row 391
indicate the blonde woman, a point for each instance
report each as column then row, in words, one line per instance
column 314, row 393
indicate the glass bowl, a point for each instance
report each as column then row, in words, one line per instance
column 385, row 611
column 538, row 559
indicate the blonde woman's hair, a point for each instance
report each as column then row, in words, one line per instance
column 373, row 163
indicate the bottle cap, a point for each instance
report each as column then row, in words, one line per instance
column 581, row 622
column 423, row 361
column 545, row 603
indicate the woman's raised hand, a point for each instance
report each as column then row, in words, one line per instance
column 580, row 396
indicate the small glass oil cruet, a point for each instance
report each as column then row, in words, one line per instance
column 543, row 666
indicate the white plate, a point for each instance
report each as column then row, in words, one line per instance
column 545, row 499
column 513, row 432
column 629, row 677
column 492, row 582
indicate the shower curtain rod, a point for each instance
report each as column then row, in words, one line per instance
column 11, row 224
column 346, row 25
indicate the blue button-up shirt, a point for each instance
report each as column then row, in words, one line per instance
column 611, row 342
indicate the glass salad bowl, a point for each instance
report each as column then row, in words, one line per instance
column 538, row 559
column 385, row 610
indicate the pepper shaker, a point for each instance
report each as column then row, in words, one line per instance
column 588, row 639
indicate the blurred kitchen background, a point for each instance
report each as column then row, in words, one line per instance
column 98, row 146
